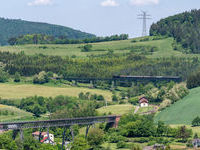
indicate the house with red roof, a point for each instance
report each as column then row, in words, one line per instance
column 44, row 136
column 143, row 102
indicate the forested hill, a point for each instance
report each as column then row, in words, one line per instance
column 184, row 27
column 13, row 28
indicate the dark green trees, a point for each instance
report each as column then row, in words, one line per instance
column 3, row 76
column 184, row 133
column 35, row 105
column 95, row 137
column 7, row 143
column 196, row 122
column 183, row 27
column 193, row 80
column 80, row 143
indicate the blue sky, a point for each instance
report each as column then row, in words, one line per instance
column 100, row 17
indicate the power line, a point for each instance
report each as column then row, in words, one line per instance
column 144, row 16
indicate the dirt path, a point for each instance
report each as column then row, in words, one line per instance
column 136, row 109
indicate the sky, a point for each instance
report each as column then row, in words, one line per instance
column 100, row 17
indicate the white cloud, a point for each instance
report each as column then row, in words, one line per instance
column 109, row 3
column 40, row 2
column 143, row 2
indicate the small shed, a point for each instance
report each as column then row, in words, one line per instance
column 196, row 143
column 143, row 102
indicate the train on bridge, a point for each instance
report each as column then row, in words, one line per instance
column 150, row 78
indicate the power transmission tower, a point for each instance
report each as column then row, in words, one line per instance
column 144, row 16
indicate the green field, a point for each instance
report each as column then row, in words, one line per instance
column 146, row 109
column 13, row 114
column 164, row 48
column 183, row 111
column 14, row 91
column 117, row 109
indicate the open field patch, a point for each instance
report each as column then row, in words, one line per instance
column 117, row 109
column 14, row 91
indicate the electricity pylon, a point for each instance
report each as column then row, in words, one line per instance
column 144, row 16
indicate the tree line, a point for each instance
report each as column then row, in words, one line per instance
column 49, row 39
column 95, row 67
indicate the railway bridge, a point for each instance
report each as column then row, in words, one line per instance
column 125, row 79
column 66, row 123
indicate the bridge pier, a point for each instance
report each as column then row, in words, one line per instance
column 21, row 135
column 14, row 134
column 72, row 133
column 87, row 130
column 115, row 125
column 40, row 133
column 63, row 139
column 113, row 85
column 91, row 84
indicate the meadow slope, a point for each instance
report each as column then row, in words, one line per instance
column 13, row 114
column 183, row 111
column 164, row 48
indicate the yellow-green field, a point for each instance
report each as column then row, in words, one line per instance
column 13, row 114
column 14, row 91
column 194, row 129
column 117, row 109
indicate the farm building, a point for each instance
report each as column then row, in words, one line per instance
column 143, row 102
column 44, row 137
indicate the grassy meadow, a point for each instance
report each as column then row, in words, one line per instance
column 183, row 111
column 164, row 48
column 9, row 113
column 15, row 91
column 117, row 109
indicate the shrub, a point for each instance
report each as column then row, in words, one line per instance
column 134, row 41
column 80, row 143
column 3, row 76
column 100, row 98
column 193, row 80
column 135, row 147
column 133, row 100
column 144, row 39
column 121, row 144
column 114, row 138
column 143, row 140
column 95, row 137
column 41, row 78
column 17, row 77
column 114, row 98
column 86, row 48
column 196, row 121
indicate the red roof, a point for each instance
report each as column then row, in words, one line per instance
column 143, row 100
column 44, row 139
column 38, row 133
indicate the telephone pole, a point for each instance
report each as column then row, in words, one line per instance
column 144, row 16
